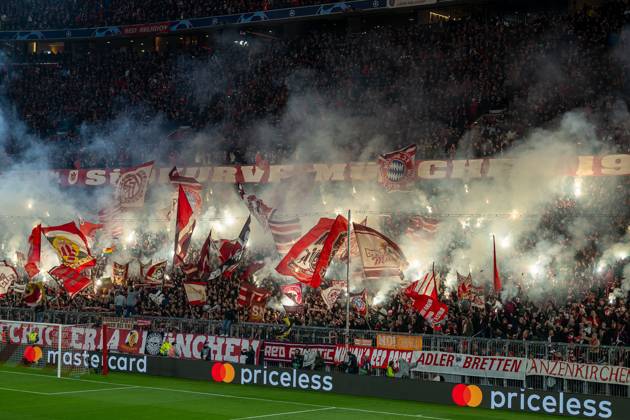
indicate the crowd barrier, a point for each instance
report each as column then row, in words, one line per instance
column 553, row 357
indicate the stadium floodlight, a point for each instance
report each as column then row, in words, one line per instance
column 45, row 347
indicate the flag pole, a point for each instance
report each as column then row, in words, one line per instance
column 348, row 280
column 176, row 237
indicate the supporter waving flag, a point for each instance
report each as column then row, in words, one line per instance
column 285, row 229
column 191, row 187
column 293, row 292
column 309, row 258
column 155, row 274
column 380, row 255
column 184, row 226
column 231, row 252
column 196, row 292
column 131, row 187
column 34, row 252
column 8, row 276
column 73, row 282
column 71, row 245
column 425, row 299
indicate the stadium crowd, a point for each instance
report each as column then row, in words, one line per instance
column 469, row 88
column 406, row 83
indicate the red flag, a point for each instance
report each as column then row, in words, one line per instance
column 336, row 237
column 496, row 277
column 308, row 259
column 185, row 225
column 431, row 309
column 397, row 169
column 34, row 251
column 88, row 229
column 293, row 292
column 71, row 279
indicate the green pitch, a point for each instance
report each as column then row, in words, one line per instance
column 33, row 394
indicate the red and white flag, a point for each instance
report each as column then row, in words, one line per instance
column 155, row 274
column 184, row 226
column 380, row 255
column 231, row 252
column 34, row 252
column 8, row 276
column 191, row 187
column 33, row 294
column 425, row 299
column 110, row 218
column 286, row 230
column 342, row 253
column 426, row 286
column 249, row 294
column 309, row 258
column 71, row 245
column 466, row 290
column 330, row 295
column 293, row 292
column 205, row 255
column 132, row 185
column 421, row 227
column 196, row 292
column 73, row 282
column 397, row 169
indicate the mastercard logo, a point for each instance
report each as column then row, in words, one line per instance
column 32, row 354
column 223, row 372
column 467, row 395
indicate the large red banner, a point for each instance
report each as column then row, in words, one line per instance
column 188, row 346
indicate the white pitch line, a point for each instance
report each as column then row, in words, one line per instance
column 211, row 394
column 90, row 390
column 23, row 391
column 286, row 413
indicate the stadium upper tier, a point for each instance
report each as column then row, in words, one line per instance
column 396, row 83
column 44, row 14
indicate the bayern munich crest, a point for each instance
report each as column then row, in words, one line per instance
column 397, row 168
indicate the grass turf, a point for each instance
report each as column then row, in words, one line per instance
column 33, row 394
